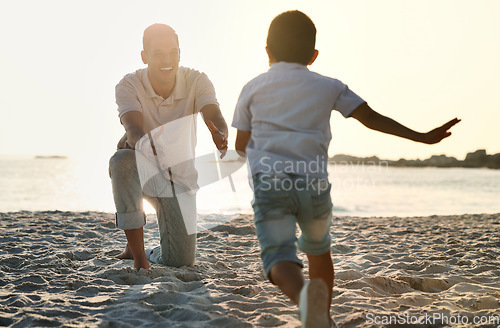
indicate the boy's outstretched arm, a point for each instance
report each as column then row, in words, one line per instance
column 375, row 121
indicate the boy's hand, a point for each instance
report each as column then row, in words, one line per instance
column 219, row 138
column 438, row 134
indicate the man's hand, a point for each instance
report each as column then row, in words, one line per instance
column 438, row 134
column 220, row 140
column 122, row 144
column 211, row 113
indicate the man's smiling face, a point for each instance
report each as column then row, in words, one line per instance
column 161, row 53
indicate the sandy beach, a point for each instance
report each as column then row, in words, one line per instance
column 59, row 269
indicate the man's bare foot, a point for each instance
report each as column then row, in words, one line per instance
column 141, row 263
column 135, row 248
column 126, row 254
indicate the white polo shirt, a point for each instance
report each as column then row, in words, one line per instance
column 170, row 122
column 287, row 109
column 192, row 91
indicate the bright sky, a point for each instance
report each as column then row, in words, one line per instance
column 420, row 62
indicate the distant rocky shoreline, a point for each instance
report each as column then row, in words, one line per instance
column 477, row 159
column 50, row 157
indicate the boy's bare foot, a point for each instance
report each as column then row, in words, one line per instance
column 126, row 254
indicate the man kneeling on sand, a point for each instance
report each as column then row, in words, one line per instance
column 283, row 122
column 158, row 106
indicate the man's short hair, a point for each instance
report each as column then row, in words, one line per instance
column 292, row 37
column 155, row 30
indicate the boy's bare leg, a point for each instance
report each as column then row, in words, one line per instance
column 288, row 277
column 135, row 243
column 321, row 267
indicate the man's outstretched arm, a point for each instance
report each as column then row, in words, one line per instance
column 217, row 125
column 375, row 121
column 133, row 124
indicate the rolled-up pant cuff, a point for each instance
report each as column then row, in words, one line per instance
column 130, row 220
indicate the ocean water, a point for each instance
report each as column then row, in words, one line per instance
column 71, row 184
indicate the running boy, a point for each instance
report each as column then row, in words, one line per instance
column 283, row 122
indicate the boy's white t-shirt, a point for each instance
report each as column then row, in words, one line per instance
column 287, row 109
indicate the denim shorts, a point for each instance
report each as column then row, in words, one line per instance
column 281, row 201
